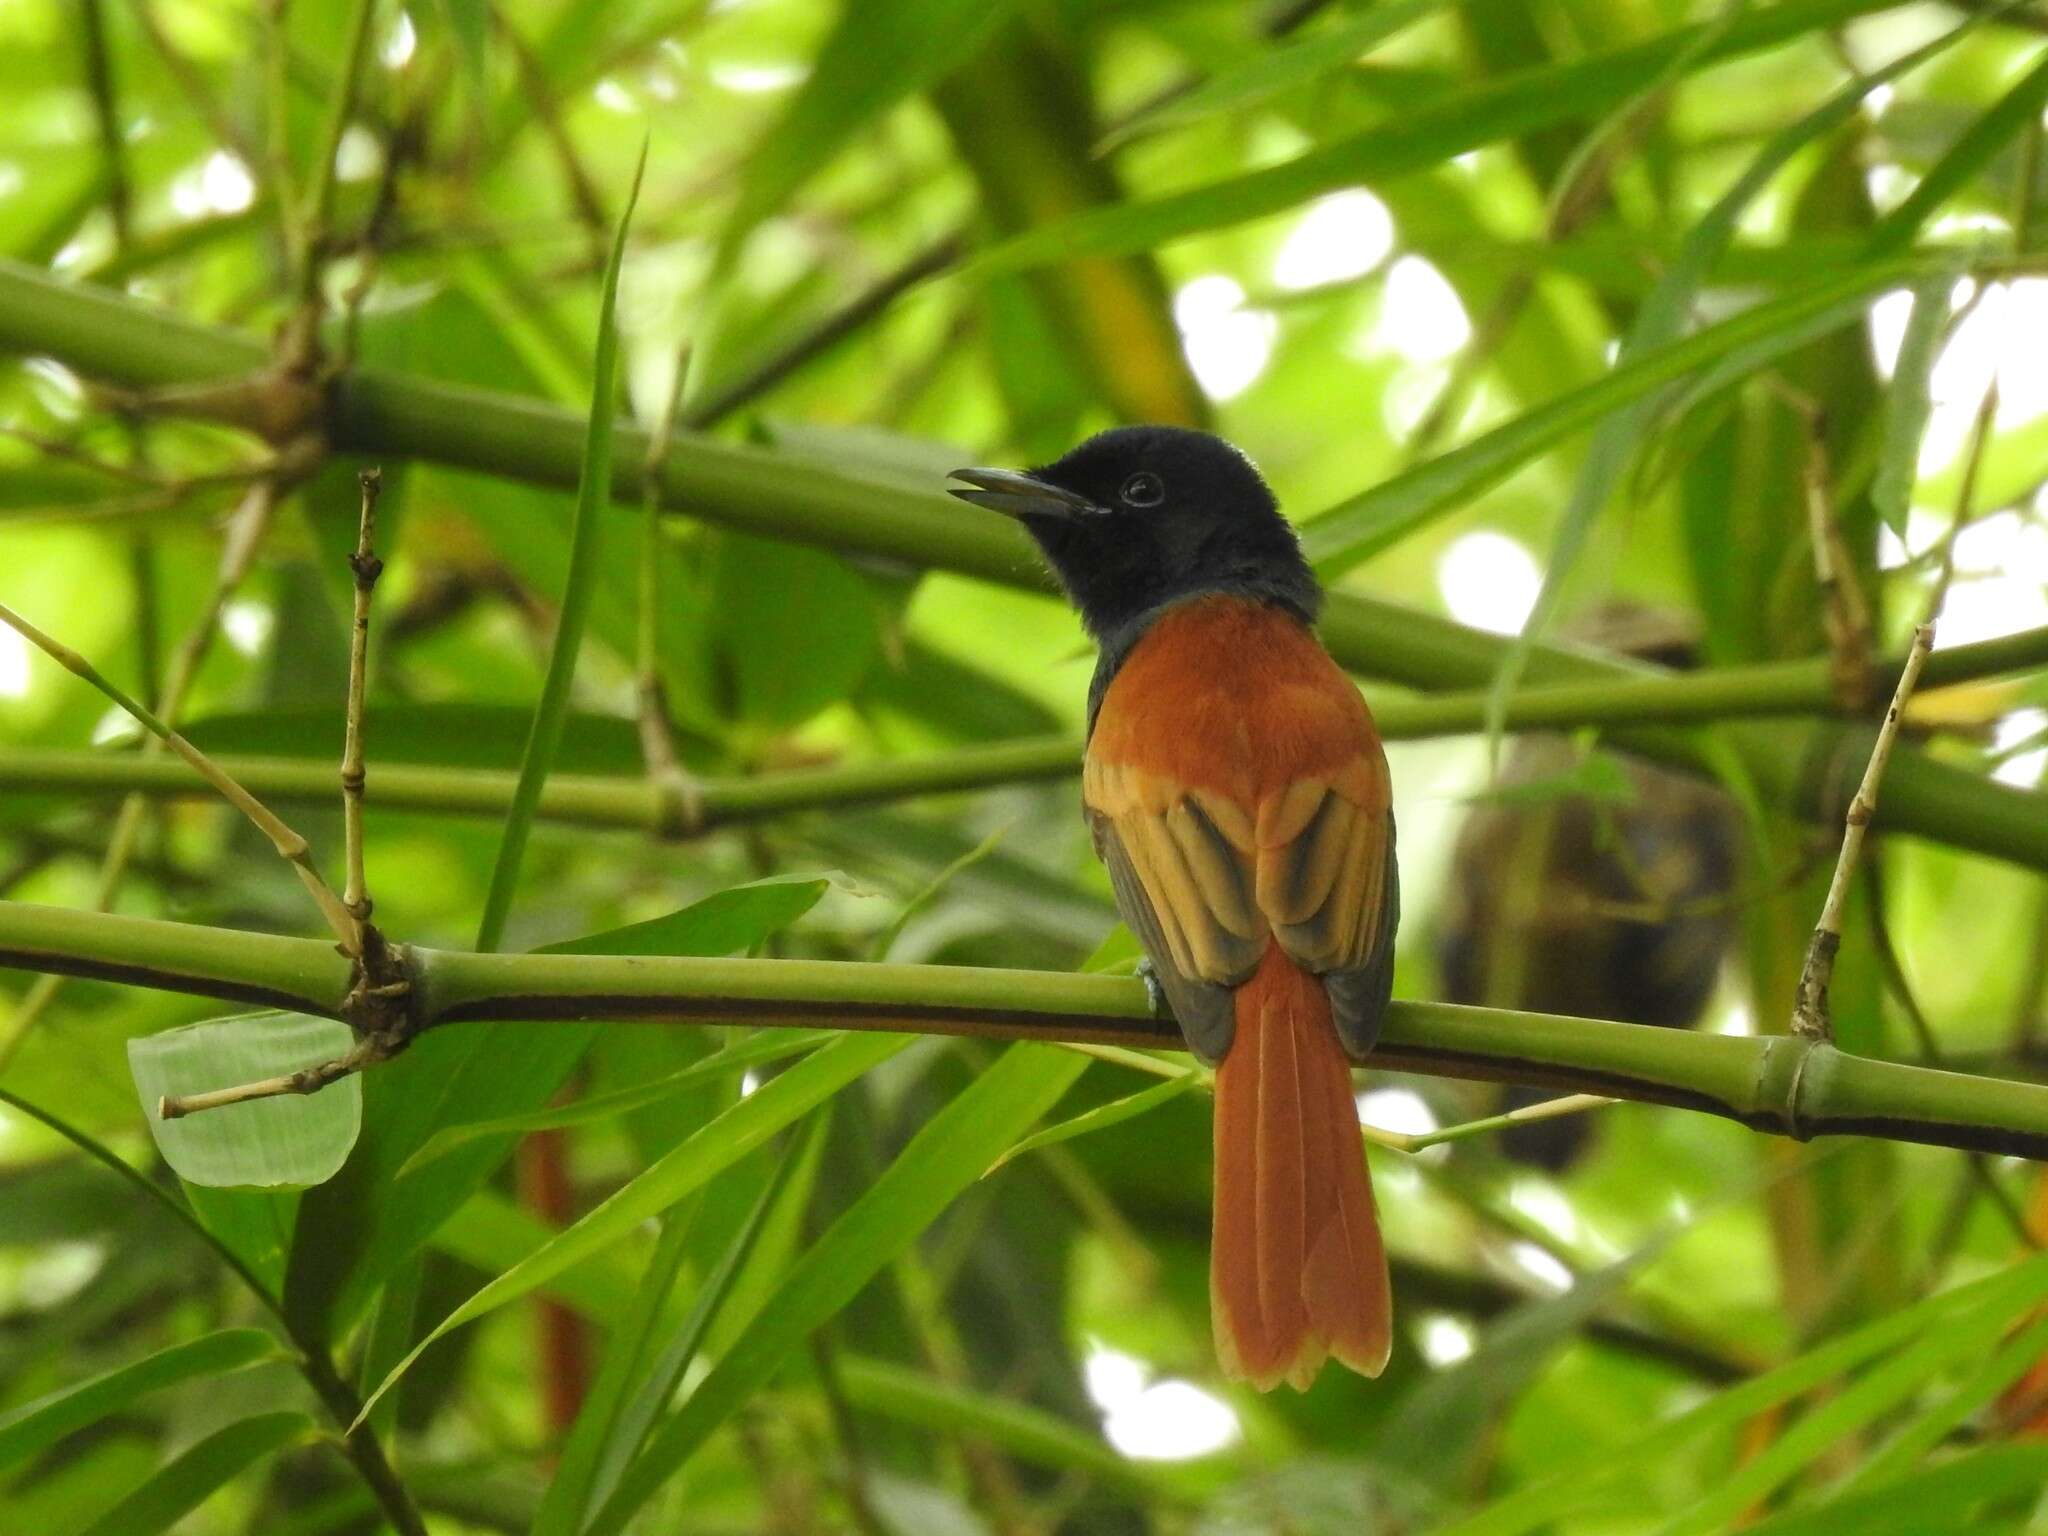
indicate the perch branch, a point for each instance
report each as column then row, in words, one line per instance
column 1784, row 1084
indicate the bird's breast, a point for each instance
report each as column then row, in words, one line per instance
column 1234, row 697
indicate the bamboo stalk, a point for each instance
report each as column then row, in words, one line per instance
column 1778, row 1083
column 112, row 337
column 631, row 804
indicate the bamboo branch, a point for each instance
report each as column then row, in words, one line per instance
column 290, row 846
column 365, row 567
column 632, row 804
column 1810, row 1007
column 779, row 496
column 1779, row 1083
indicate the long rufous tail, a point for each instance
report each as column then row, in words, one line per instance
column 1297, row 1271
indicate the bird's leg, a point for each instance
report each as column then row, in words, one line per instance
column 1155, row 994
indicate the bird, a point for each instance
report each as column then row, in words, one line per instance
column 1236, row 789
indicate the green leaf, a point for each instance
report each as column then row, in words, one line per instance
column 763, row 1046
column 1028, row 1433
column 939, row 1162
column 1878, row 1391
column 1435, row 1430
column 492, row 1232
column 1468, row 117
column 796, row 629
column 470, row 21
column 36, row 1425
column 593, row 495
column 1271, row 71
column 1910, row 402
column 726, row 922
column 1101, row 1118
column 879, row 54
column 1941, row 1498
column 1355, row 530
column 392, row 1195
column 2015, row 110
column 657, row 1388
column 288, row 1142
column 1661, row 319
column 718, row 1145
column 184, row 1483
column 2001, row 1369
column 2006, row 1294
column 567, row 1498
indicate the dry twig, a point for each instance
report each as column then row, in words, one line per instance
column 1810, row 1005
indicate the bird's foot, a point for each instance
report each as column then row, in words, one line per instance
column 1155, row 994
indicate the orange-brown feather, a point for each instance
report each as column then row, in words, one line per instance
column 1297, row 1270
column 1232, row 710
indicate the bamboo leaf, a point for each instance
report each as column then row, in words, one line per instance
column 879, row 54
column 42, row 1423
column 1910, row 402
column 562, row 1507
column 282, row 1143
column 1100, row 1118
column 657, row 1388
column 757, row 1049
column 593, row 494
column 2001, row 1369
column 1658, row 323
column 1355, row 530
column 1028, row 1433
column 1467, row 118
column 1879, row 1390
column 2004, row 1295
column 184, row 1483
column 939, row 1162
column 1941, row 1498
column 2003, row 120
column 723, row 1142
column 1271, row 71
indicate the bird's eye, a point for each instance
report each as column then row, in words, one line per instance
column 1144, row 489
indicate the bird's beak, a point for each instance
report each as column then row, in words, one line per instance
column 1019, row 495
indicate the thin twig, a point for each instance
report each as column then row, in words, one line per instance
column 1549, row 1109
column 1810, row 1007
column 99, row 73
column 1843, row 609
column 200, row 97
column 313, row 237
column 289, row 844
column 366, row 568
column 175, row 1106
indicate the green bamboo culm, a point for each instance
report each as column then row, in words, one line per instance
column 593, row 492
column 1777, row 1083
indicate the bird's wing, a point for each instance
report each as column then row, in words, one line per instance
column 1183, row 864
column 1204, row 883
column 1327, row 883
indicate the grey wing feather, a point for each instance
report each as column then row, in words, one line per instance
column 1207, row 1010
column 1359, row 994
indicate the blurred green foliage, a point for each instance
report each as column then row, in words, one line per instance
column 884, row 238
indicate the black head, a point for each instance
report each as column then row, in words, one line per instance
column 1140, row 517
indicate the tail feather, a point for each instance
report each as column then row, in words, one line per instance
column 1297, row 1269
